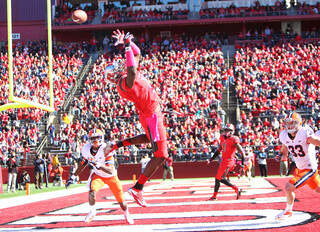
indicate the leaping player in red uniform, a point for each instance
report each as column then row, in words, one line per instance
column 229, row 143
column 134, row 87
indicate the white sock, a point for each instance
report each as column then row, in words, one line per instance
column 92, row 207
column 289, row 207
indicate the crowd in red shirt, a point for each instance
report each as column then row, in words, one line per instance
column 30, row 67
column 272, row 81
column 188, row 75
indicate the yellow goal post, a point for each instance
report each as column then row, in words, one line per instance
column 16, row 101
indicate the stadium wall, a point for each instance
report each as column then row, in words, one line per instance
column 181, row 170
column 35, row 30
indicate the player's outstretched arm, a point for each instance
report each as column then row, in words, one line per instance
column 80, row 168
column 132, row 58
column 215, row 155
column 106, row 168
column 315, row 140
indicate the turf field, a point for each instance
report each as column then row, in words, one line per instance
column 178, row 205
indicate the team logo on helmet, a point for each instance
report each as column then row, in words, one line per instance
column 292, row 122
column 95, row 137
column 114, row 71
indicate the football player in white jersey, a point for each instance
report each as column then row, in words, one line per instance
column 248, row 160
column 300, row 142
column 104, row 173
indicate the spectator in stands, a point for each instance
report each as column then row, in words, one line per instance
column 144, row 161
column 47, row 167
column 283, row 165
column 262, row 161
column 12, row 172
column 76, row 148
column 55, row 160
column 38, row 171
column 93, row 43
column 66, row 119
column 23, row 179
column 68, row 156
column 52, row 130
column 168, row 168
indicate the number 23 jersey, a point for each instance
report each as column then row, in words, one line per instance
column 303, row 153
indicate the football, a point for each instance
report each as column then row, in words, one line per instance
column 79, row 16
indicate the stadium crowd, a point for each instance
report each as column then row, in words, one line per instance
column 113, row 14
column 189, row 74
column 272, row 81
column 19, row 128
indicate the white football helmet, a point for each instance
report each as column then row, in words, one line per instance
column 96, row 137
column 229, row 129
column 114, row 71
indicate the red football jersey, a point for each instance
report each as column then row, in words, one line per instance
column 142, row 94
column 227, row 144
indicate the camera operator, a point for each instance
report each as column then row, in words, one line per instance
column 24, row 179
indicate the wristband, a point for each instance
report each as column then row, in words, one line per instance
column 135, row 48
column 130, row 61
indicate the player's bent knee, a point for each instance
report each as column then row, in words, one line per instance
column 289, row 187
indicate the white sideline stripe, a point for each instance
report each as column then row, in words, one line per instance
column 266, row 214
column 104, row 207
column 21, row 200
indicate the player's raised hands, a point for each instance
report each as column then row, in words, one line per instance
column 119, row 36
column 127, row 39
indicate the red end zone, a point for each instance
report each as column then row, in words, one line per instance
column 174, row 206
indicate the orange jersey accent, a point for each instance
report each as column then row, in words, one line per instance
column 97, row 182
column 306, row 177
column 142, row 94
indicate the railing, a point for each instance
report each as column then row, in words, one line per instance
column 173, row 7
column 69, row 98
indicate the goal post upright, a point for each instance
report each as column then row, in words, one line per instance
column 19, row 102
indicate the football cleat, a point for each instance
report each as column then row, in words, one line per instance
column 90, row 216
column 285, row 214
column 128, row 217
column 212, row 199
column 138, row 197
column 238, row 191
